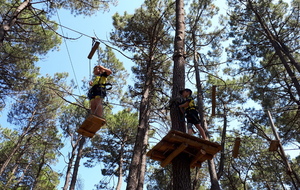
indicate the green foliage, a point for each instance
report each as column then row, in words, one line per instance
column 145, row 34
column 32, row 35
column 159, row 178
column 33, row 147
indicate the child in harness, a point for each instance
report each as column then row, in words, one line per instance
column 98, row 89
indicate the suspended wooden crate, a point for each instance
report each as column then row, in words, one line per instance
column 274, row 145
column 236, row 147
column 91, row 125
column 176, row 142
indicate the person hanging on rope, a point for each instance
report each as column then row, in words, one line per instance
column 98, row 89
column 191, row 112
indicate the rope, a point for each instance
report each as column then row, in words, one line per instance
column 70, row 59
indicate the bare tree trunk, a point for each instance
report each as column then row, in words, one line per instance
column 180, row 164
column 40, row 167
column 279, row 48
column 222, row 158
column 11, row 21
column 136, row 177
column 77, row 162
column 211, row 165
column 120, row 170
column 70, row 162
column 213, row 175
column 11, row 176
column 143, row 162
column 25, row 132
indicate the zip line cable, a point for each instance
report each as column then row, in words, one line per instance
column 103, row 41
column 70, row 59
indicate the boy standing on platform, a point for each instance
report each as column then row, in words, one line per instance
column 98, row 90
column 191, row 112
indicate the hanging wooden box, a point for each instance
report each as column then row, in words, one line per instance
column 274, row 145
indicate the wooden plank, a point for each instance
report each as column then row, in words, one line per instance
column 157, row 155
column 94, row 48
column 236, row 147
column 91, row 125
column 199, row 155
column 85, row 133
column 197, row 164
column 196, row 144
column 213, row 100
column 191, row 137
column 161, row 146
column 174, row 154
column 274, row 145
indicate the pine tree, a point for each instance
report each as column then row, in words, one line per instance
column 35, row 143
column 146, row 36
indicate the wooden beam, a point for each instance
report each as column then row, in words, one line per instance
column 198, row 156
column 286, row 162
column 85, row 133
column 274, row 145
column 236, row 147
column 174, row 154
column 94, row 48
column 213, row 100
column 156, row 155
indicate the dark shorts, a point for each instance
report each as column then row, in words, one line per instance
column 192, row 116
column 96, row 91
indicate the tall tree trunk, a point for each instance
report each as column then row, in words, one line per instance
column 180, row 164
column 70, row 163
column 211, row 165
column 213, row 175
column 77, row 163
column 11, row 21
column 11, row 176
column 223, row 138
column 27, row 131
column 143, row 161
column 136, row 169
column 40, row 167
column 279, row 48
column 120, row 170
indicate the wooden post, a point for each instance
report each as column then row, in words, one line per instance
column 274, row 145
column 94, row 48
column 213, row 100
column 236, row 147
column 285, row 160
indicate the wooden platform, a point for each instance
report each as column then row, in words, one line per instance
column 176, row 142
column 91, row 125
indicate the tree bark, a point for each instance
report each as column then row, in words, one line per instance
column 77, row 162
column 211, row 165
column 70, row 163
column 6, row 26
column 222, row 158
column 136, row 169
column 120, row 170
column 279, row 49
column 27, row 131
column 180, row 164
